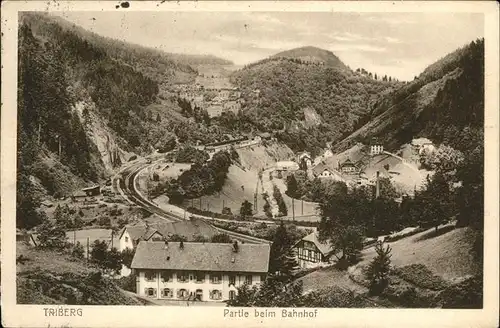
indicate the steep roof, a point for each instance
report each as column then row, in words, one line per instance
column 202, row 257
column 347, row 162
column 324, row 248
column 320, row 168
column 187, row 228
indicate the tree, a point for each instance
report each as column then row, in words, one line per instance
column 246, row 209
column 113, row 260
column 177, row 238
column 291, row 186
column 377, row 271
column 99, row 252
column 197, row 238
column 221, row 238
column 78, row 250
column 343, row 220
column 279, row 200
column 282, row 259
column 227, row 211
column 51, row 236
column 127, row 256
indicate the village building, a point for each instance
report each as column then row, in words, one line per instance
column 265, row 136
column 286, row 166
column 78, row 196
column 322, row 171
column 311, row 253
column 422, row 145
column 376, row 147
column 130, row 236
column 47, row 203
column 92, row 191
column 305, row 160
column 205, row 272
column 347, row 167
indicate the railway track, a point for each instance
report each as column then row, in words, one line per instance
column 126, row 184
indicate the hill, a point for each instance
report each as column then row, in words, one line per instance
column 290, row 89
column 87, row 103
column 48, row 277
column 445, row 103
column 429, row 271
column 313, row 55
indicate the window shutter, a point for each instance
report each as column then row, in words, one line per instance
column 145, row 291
column 154, row 291
column 162, row 292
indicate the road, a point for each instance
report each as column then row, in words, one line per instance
column 125, row 183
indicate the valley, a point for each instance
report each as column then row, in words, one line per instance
column 143, row 171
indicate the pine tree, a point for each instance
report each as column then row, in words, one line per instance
column 378, row 270
column 246, row 208
column 291, row 186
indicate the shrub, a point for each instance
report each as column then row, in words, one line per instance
column 421, row 276
column 465, row 295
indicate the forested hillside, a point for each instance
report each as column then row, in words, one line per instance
column 81, row 97
column 445, row 104
column 289, row 85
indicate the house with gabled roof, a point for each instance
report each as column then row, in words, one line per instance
column 310, row 252
column 348, row 167
column 204, row 272
column 322, row 171
column 130, row 236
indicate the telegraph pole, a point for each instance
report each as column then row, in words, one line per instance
column 302, row 206
column 87, row 249
column 293, row 209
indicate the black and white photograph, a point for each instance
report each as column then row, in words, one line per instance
column 284, row 161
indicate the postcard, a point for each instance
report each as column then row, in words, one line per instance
column 249, row 164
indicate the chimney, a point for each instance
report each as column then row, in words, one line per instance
column 235, row 246
column 377, row 186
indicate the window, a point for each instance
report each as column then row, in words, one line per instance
column 182, row 294
column 215, row 278
column 126, row 239
column 182, row 277
column 199, row 295
column 150, row 292
column 200, row 277
column 262, row 277
column 150, row 275
column 232, row 294
column 215, row 294
column 248, row 279
column 167, row 293
column 232, row 280
column 166, row 276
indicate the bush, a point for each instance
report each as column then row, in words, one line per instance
column 128, row 283
column 421, row 276
column 465, row 295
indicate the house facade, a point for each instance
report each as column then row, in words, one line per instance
column 204, row 272
column 348, row 167
column 311, row 253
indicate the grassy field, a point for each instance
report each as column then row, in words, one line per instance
column 240, row 185
column 446, row 254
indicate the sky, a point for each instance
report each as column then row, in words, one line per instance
column 401, row 45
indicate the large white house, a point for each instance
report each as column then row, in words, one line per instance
column 206, row 272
